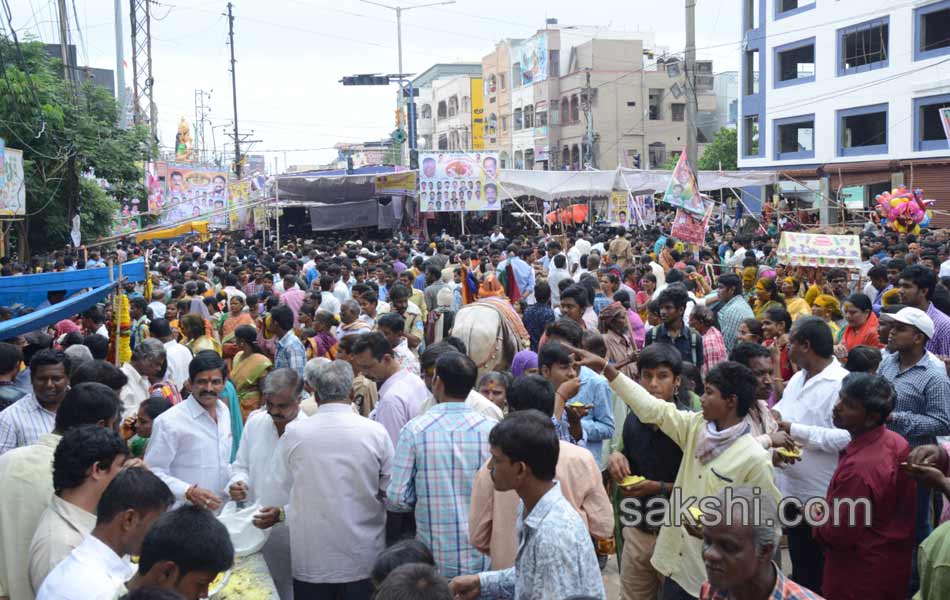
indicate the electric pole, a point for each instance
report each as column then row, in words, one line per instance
column 201, row 114
column 237, row 137
column 142, row 81
column 587, row 105
column 691, row 107
column 64, row 38
column 119, row 65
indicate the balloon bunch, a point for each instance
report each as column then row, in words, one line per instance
column 903, row 210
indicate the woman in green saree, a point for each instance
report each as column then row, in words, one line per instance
column 250, row 368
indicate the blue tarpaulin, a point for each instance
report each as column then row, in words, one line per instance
column 55, row 313
column 30, row 290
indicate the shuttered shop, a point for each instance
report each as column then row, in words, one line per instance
column 933, row 177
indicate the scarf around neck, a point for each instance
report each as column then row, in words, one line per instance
column 712, row 443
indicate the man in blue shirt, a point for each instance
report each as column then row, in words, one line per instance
column 556, row 558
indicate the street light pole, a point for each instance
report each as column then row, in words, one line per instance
column 691, row 108
column 398, row 10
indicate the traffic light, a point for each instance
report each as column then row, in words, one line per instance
column 365, row 80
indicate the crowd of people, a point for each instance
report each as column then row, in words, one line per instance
column 724, row 423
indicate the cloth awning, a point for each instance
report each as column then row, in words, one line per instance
column 55, row 313
column 31, row 290
column 555, row 185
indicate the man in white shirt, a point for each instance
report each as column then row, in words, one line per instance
column 335, row 464
column 252, row 467
column 806, row 414
column 392, row 325
column 556, row 275
column 190, row 446
column 157, row 305
column 24, row 421
column 27, row 481
column 147, row 359
column 86, row 460
column 738, row 254
column 178, row 357
column 96, row 569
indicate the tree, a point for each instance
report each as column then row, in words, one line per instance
column 724, row 150
column 67, row 133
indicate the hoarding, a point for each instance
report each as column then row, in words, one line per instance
column 194, row 193
column 13, row 190
column 458, row 181
column 478, row 114
column 534, row 59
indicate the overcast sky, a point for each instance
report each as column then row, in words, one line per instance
column 291, row 53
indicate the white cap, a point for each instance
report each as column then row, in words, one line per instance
column 915, row 318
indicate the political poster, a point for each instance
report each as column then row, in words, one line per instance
column 458, row 181
column 243, row 197
column 690, row 229
column 682, row 191
column 154, row 174
column 194, row 193
column 13, row 190
column 396, row 184
column 819, row 250
column 625, row 210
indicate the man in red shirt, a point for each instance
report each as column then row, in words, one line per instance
column 868, row 552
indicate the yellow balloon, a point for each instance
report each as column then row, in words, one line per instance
column 895, row 202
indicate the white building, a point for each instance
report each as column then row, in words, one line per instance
column 444, row 106
column 847, row 92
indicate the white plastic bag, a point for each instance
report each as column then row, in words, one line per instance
column 246, row 538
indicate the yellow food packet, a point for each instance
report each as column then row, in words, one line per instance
column 796, row 453
column 632, row 480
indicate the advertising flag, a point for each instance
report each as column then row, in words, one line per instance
column 682, row 190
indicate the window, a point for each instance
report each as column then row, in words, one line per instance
column 795, row 63
column 928, row 126
column 750, row 86
column 518, row 120
column 554, row 63
column 657, row 154
column 453, row 106
column 519, row 160
column 501, row 80
column 863, row 47
column 862, row 130
column 443, row 142
column 529, row 159
column 750, row 136
column 795, row 137
column 492, row 124
column 678, row 111
column 932, row 30
column 656, row 104
column 565, row 111
column 528, row 116
column 426, row 111
column 466, row 104
column 787, row 8
column 566, row 157
column 575, row 110
column 443, row 109
column 491, row 84
column 541, row 119
column 504, row 122
column 555, row 111
column 516, row 76
column 750, row 15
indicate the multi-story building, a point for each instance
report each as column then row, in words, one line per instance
column 572, row 98
column 496, row 77
column 444, row 106
column 845, row 95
